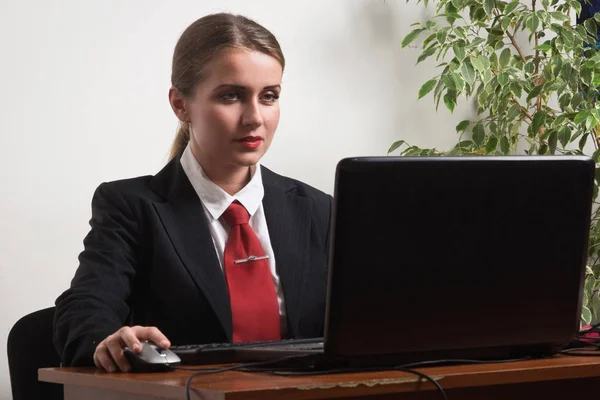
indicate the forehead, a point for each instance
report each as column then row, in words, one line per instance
column 247, row 68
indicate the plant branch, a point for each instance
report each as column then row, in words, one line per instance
column 523, row 109
column 512, row 39
column 537, row 60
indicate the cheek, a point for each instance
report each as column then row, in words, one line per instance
column 271, row 118
column 218, row 119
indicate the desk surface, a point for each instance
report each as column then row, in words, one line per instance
column 244, row 385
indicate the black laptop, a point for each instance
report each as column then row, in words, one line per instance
column 453, row 257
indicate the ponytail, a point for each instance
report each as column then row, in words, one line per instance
column 181, row 140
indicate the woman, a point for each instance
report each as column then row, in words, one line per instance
column 215, row 247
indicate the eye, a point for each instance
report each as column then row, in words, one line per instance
column 270, row 97
column 233, row 96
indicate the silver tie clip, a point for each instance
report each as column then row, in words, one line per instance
column 251, row 258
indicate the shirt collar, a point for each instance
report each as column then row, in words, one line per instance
column 215, row 199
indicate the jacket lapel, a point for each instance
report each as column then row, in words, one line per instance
column 289, row 222
column 183, row 218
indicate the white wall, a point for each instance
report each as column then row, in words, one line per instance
column 84, row 100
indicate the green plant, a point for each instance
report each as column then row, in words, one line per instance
column 533, row 78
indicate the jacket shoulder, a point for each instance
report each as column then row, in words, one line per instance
column 294, row 185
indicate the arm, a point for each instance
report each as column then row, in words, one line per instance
column 95, row 305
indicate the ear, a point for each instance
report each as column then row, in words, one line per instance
column 178, row 104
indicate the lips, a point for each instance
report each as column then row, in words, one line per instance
column 251, row 142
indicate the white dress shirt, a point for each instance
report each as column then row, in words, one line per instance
column 215, row 201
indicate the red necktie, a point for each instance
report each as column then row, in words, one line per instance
column 254, row 306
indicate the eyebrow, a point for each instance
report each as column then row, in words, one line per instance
column 240, row 87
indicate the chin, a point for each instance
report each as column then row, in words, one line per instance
column 247, row 160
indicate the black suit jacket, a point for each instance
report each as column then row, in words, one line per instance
column 149, row 260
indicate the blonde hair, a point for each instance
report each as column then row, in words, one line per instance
column 201, row 41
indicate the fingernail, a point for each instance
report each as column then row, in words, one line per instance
column 127, row 368
column 164, row 344
column 111, row 369
column 136, row 347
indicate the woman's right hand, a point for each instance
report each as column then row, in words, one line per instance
column 109, row 352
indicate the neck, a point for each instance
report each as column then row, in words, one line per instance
column 230, row 178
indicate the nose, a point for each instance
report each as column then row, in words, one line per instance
column 252, row 116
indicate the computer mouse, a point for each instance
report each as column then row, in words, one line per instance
column 151, row 359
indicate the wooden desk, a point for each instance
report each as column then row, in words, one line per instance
column 561, row 377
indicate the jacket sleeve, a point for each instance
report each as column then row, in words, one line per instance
column 95, row 305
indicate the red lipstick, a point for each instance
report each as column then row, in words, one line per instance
column 251, row 142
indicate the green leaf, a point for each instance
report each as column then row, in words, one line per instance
column 513, row 112
column 510, row 7
column 460, row 82
column 544, row 47
column 478, row 134
column 396, row 145
column 530, row 67
column 590, row 26
column 504, row 145
column 539, row 118
column 427, row 53
column 465, row 145
column 491, row 144
column 535, row 92
column 590, row 122
column 516, row 89
column 427, row 87
column 587, row 75
column 577, row 6
column 564, row 101
column 564, row 136
column 586, row 315
column 459, row 51
column 488, row 6
column 449, row 82
column 532, row 22
column 505, row 24
column 576, row 100
column 505, row 58
column 450, row 101
column 468, row 73
column 478, row 63
column 581, row 117
column 596, row 156
column 552, row 141
column 503, row 79
column 408, row 39
column 462, row 125
column 441, row 36
column 583, row 140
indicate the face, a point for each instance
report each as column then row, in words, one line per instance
column 234, row 110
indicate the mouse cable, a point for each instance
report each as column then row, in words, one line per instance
column 206, row 371
column 251, row 367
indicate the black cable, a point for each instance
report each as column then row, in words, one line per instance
column 203, row 371
column 294, row 371
column 352, row 370
column 581, row 351
column 590, row 329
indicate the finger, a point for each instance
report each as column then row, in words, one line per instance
column 96, row 362
column 153, row 334
column 129, row 338
column 114, row 345
column 105, row 361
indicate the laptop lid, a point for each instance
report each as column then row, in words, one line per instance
column 443, row 253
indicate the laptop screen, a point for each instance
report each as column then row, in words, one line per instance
column 456, row 252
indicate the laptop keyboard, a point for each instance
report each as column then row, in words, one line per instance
column 223, row 353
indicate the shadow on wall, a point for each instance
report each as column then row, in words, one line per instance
column 384, row 24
